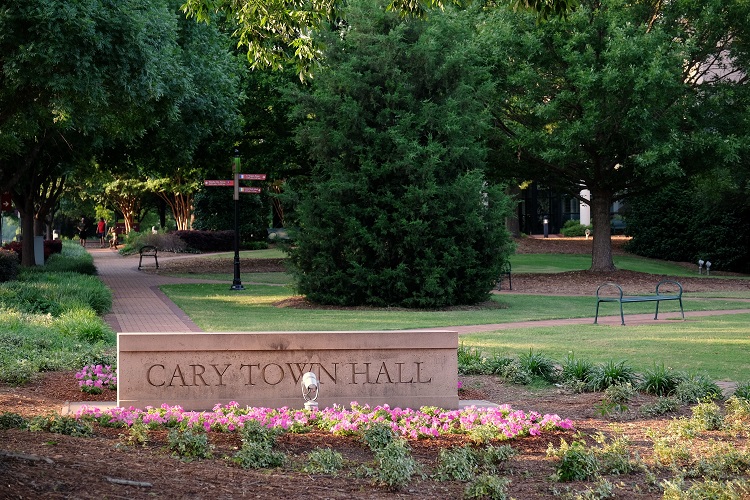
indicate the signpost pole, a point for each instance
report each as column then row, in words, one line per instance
column 236, row 282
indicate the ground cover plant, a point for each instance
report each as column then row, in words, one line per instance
column 50, row 318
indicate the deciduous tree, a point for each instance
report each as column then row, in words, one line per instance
column 614, row 97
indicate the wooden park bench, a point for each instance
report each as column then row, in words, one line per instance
column 148, row 251
column 612, row 292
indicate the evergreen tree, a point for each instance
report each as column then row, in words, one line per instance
column 398, row 212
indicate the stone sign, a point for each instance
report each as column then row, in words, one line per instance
column 199, row 370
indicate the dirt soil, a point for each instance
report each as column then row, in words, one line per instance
column 46, row 465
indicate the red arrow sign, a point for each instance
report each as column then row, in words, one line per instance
column 218, row 182
column 249, row 190
column 253, row 177
column 7, row 202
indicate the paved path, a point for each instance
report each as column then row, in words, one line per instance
column 137, row 303
column 139, row 306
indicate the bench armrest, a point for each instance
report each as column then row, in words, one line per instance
column 669, row 282
column 605, row 286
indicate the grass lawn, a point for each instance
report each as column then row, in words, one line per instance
column 252, row 278
column 557, row 263
column 718, row 345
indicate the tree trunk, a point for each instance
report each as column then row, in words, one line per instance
column 601, row 253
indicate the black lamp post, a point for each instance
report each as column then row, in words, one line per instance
column 236, row 282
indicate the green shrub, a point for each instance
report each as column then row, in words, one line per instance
column 708, row 489
column 378, row 435
column 574, row 228
column 487, row 486
column 743, row 390
column 576, row 369
column 395, row 465
column 456, row 464
column 257, row 447
column 323, row 461
column 516, row 373
column 707, row 416
column 10, row 420
column 696, row 387
column 61, row 424
column 576, row 462
column 661, row 406
column 84, row 325
column 610, row 373
column 189, row 443
column 8, row 265
column 539, row 365
column 660, row 380
column 257, row 455
column 164, row 242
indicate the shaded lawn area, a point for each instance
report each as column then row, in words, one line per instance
column 216, row 308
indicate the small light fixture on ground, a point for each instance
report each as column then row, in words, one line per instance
column 310, row 390
column 708, row 267
column 700, row 266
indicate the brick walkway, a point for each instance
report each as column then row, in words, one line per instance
column 139, row 306
column 137, row 303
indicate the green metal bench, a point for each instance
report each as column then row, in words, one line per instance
column 612, row 292
column 505, row 272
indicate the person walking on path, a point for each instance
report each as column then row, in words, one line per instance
column 82, row 233
column 101, row 231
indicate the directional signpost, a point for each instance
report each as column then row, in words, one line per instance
column 235, row 183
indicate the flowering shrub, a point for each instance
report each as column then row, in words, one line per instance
column 427, row 422
column 93, row 379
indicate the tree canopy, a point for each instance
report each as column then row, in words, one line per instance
column 277, row 32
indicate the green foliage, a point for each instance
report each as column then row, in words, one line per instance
column 743, row 390
column 61, row 424
column 661, row 406
column 620, row 393
column 660, row 380
column 574, row 228
column 395, row 465
column 214, row 209
column 164, row 242
column 576, row 369
column 257, row 447
column 539, row 365
column 487, row 486
column 8, row 265
column 399, row 212
column 10, row 420
column 696, row 387
column 614, row 455
column 378, row 435
column 693, row 219
column 189, row 443
column 610, row 373
column 708, row 489
column 472, row 361
column 137, row 434
column 456, row 464
column 707, row 415
column 323, row 461
column 575, row 462
column 48, row 320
